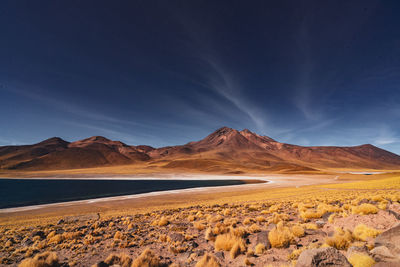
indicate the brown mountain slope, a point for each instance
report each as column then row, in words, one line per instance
column 225, row 150
column 56, row 153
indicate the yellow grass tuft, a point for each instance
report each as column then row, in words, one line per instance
column 163, row 221
column 363, row 232
column 280, row 236
column 45, row 259
column 361, row 260
column 341, row 239
column 254, row 228
column 199, row 225
column 230, row 242
column 260, row 249
column 297, row 231
column 208, row 235
column 148, row 259
column 118, row 235
column 247, row 262
column 364, row 209
column 122, row 260
column 208, row 261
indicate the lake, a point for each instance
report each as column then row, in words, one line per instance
column 26, row 192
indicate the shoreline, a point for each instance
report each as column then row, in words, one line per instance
column 162, row 199
column 250, row 181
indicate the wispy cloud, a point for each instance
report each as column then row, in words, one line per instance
column 222, row 82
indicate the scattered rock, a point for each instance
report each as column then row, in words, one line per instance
column 39, row 233
column 320, row 224
column 176, row 237
column 390, row 239
column 355, row 249
column 100, row 264
column 27, row 242
column 395, row 214
column 322, row 257
column 364, row 200
column 262, row 238
column 60, row 221
column 326, row 216
column 383, row 254
column 193, row 244
column 219, row 255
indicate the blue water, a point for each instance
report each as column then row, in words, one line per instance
column 25, row 192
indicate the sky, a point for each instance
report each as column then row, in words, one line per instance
column 168, row 72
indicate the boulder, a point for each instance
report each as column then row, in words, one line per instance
column 383, row 254
column 390, row 239
column 262, row 238
column 322, row 257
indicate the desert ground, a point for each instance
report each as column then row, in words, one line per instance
column 342, row 217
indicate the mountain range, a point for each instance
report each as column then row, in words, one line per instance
column 226, row 150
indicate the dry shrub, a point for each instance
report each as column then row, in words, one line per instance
column 208, row 235
column 56, row 239
column 295, row 254
column 362, row 232
column 199, row 225
column 365, row 209
column 45, row 259
column 219, row 229
column 122, row 259
column 227, row 212
column 361, row 260
column 331, row 217
column 297, row 231
column 163, row 221
column 310, row 226
column 341, row 239
column 310, row 214
column 260, row 219
column 247, row 262
column 260, row 249
column 164, row 238
column 247, row 221
column 147, row 259
column 118, row 235
column 239, row 232
column 254, row 228
column 276, row 218
column 208, row 261
column 280, row 236
column 230, row 242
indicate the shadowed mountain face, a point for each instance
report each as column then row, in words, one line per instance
column 225, row 150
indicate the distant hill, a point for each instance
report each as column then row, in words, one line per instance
column 224, row 150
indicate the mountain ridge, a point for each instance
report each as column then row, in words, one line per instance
column 221, row 151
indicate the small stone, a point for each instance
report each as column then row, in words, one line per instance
column 322, row 257
column 176, row 237
column 320, row 224
column 262, row 238
column 220, row 255
column 60, row 221
column 101, row 264
column 355, row 249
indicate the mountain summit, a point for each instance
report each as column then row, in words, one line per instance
column 226, row 150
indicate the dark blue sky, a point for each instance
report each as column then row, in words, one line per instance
column 168, row 72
